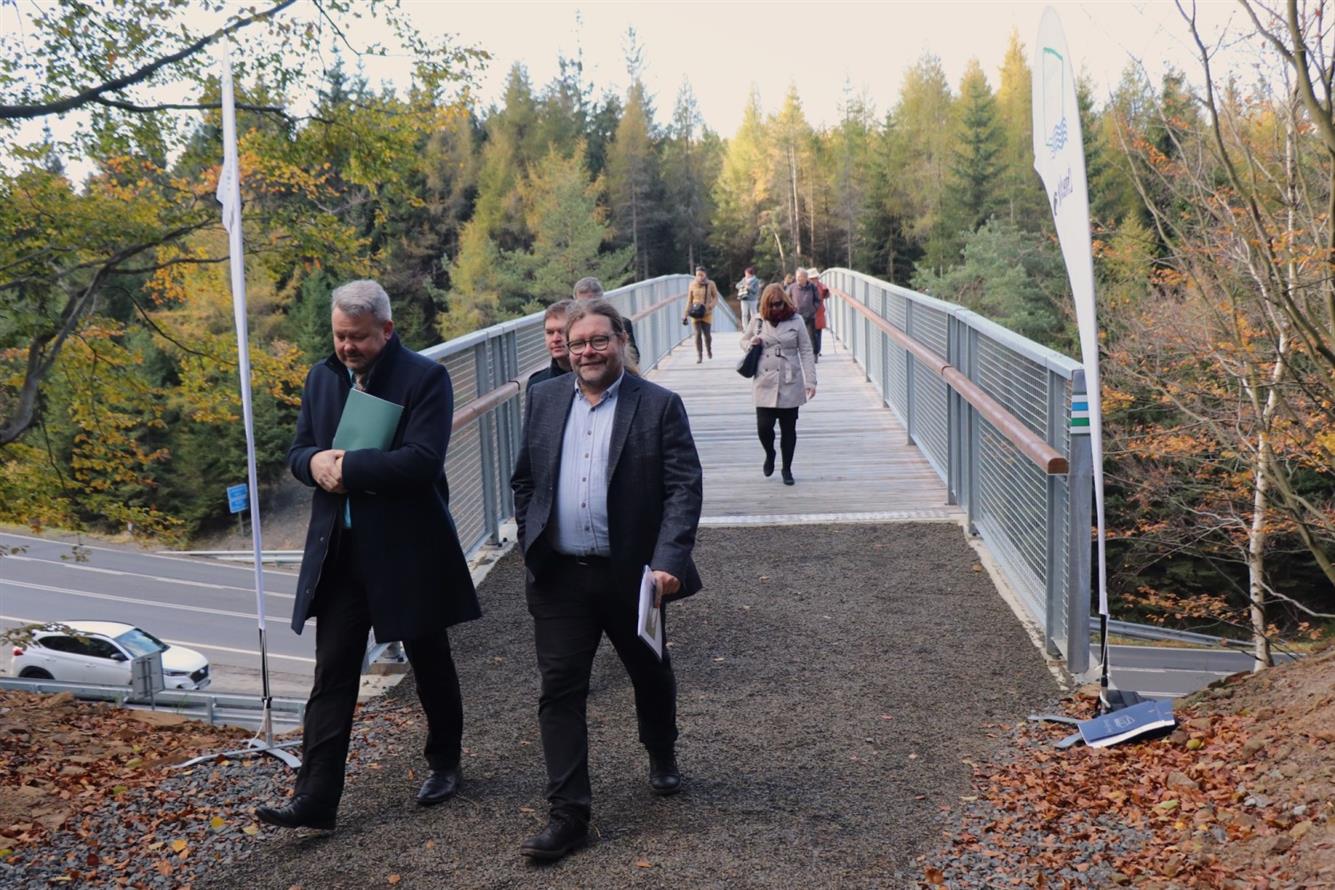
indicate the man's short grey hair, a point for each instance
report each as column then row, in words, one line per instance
column 356, row 298
column 560, row 307
column 588, row 288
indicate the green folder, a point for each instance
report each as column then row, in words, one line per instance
column 367, row 422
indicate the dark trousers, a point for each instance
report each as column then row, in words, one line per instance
column 787, row 418
column 812, row 334
column 702, row 330
column 343, row 621
column 572, row 607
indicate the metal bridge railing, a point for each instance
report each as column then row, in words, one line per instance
column 488, row 369
column 991, row 411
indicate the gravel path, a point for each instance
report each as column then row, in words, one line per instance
column 829, row 695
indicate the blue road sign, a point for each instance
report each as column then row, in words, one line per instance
column 237, row 500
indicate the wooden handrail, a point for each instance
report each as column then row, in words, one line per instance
column 1029, row 443
column 511, row 388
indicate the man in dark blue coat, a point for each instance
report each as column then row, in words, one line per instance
column 607, row 482
column 381, row 553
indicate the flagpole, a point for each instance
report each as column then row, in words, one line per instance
column 229, row 194
column 1059, row 159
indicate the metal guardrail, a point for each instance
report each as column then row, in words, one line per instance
column 1164, row 634
column 991, row 411
column 215, row 706
column 487, row 368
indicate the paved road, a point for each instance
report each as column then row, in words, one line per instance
column 203, row 604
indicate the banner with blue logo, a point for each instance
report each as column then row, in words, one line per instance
column 1059, row 158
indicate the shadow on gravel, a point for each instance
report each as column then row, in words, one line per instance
column 832, row 680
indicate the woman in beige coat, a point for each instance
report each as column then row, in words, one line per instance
column 786, row 378
column 702, row 292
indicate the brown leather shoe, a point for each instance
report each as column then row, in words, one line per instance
column 562, row 836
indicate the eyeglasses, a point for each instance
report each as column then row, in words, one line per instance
column 598, row 344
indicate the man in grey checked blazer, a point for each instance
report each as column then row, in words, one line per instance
column 607, row 481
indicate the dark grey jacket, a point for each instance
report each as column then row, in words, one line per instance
column 654, row 492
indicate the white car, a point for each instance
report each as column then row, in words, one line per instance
column 99, row 653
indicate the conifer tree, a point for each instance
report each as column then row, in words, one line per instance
column 974, row 188
column 569, row 230
column 632, row 179
column 740, row 191
column 688, row 170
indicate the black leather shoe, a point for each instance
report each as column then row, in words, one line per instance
column 768, row 469
column 664, row 777
column 439, row 786
column 788, row 478
column 300, row 812
column 559, row 838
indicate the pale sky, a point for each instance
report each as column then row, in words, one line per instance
column 724, row 47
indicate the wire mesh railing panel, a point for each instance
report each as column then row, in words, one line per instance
column 467, row 502
column 531, row 346
column 931, row 426
column 928, row 326
column 1020, row 384
column 462, row 367
column 1013, row 493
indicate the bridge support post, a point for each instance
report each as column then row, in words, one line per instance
column 485, row 362
column 1080, row 504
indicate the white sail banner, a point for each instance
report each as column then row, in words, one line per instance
column 1059, row 158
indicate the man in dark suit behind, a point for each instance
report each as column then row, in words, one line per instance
column 554, row 338
column 607, row 481
column 381, row 551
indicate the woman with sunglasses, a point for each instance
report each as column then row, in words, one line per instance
column 786, row 378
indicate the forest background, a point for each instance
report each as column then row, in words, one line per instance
column 1213, row 236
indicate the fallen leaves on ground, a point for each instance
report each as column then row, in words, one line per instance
column 1241, row 795
column 62, row 760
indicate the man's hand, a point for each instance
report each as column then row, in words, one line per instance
column 665, row 584
column 327, row 469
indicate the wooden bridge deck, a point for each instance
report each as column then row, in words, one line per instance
column 852, row 463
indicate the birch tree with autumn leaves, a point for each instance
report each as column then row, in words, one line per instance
column 1222, row 375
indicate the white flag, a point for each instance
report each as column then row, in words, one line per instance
column 229, row 180
column 1059, row 158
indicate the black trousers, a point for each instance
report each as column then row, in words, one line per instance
column 572, row 608
column 787, row 418
column 343, row 621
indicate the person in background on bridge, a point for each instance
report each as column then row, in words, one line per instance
column 820, row 320
column 806, row 297
column 381, row 552
column 704, row 294
column 607, row 482
column 748, row 295
column 786, row 378
column 590, row 288
column 554, row 336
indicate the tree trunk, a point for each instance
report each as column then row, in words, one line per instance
column 1256, row 539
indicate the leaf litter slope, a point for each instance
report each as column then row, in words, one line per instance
column 1240, row 796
